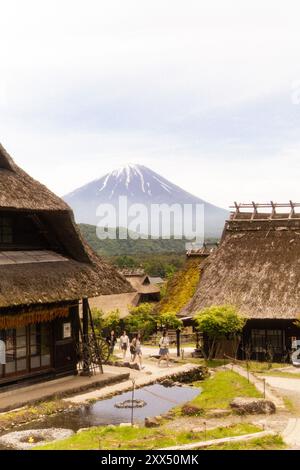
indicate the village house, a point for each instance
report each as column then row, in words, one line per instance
column 256, row 268
column 146, row 290
column 47, row 274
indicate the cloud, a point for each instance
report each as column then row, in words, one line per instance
column 196, row 90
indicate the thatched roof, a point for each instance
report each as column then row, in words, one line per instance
column 143, row 285
column 19, row 191
column 256, row 268
column 83, row 275
column 120, row 302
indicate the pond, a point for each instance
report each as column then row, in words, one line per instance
column 159, row 399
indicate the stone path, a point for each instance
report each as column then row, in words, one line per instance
column 16, row 398
column 145, row 377
column 283, row 383
column 291, row 434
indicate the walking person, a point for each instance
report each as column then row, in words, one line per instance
column 124, row 343
column 111, row 341
column 136, row 349
column 164, row 343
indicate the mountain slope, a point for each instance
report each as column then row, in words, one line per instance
column 141, row 186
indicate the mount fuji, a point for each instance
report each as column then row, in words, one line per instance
column 141, row 186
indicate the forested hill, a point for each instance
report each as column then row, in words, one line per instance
column 129, row 247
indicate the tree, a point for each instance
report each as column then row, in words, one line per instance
column 218, row 323
column 169, row 320
column 141, row 319
column 105, row 323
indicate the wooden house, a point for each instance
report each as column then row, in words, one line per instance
column 256, row 268
column 46, row 272
column 144, row 291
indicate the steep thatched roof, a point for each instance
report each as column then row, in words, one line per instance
column 143, row 285
column 120, row 302
column 256, row 268
column 19, row 191
column 83, row 275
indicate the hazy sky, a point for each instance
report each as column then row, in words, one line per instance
column 207, row 93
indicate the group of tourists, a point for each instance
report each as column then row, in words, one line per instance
column 135, row 346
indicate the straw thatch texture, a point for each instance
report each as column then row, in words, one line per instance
column 143, row 285
column 84, row 275
column 19, row 191
column 256, row 268
column 121, row 302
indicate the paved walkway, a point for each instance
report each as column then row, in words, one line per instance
column 283, row 383
column 21, row 396
column 291, row 434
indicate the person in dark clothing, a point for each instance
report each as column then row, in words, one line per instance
column 111, row 341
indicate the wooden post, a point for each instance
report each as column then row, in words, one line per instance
column 85, row 336
column 178, row 341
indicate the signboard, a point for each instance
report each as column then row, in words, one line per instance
column 67, row 330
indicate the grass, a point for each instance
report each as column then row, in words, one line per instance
column 212, row 363
column 262, row 367
column 263, row 443
column 224, row 386
column 279, row 373
column 118, row 438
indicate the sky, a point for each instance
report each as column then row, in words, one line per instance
column 206, row 93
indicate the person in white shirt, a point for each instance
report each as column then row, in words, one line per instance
column 124, row 343
column 164, row 349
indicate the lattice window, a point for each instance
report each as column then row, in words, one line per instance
column 6, row 230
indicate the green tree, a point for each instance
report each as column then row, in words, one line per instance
column 105, row 323
column 141, row 319
column 218, row 323
column 169, row 320
column 98, row 319
column 126, row 262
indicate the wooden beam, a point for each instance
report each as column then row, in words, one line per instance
column 292, row 213
column 85, row 337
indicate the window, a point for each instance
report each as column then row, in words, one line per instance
column 26, row 349
column 262, row 338
column 6, row 231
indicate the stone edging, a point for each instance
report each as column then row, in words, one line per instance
column 224, row 440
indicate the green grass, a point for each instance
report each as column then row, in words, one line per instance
column 212, row 363
column 263, row 443
column 279, row 373
column 262, row 367
column 111, row 438
column 224, row 386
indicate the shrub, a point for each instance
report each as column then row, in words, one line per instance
column 219, row 322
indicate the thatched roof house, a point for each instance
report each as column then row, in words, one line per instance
column 257, row 269
column 115, row 302
column 147, row 291
column 144, row 291
column 45, row 269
